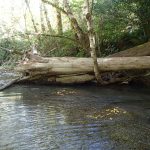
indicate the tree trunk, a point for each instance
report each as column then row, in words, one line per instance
column 92, row 41
column 42, row 19
column 47, row 19
column 141, row 50
column 32, row 18
column 83, row 37
column 8, row 84
column 72, row 65
column 59, row 19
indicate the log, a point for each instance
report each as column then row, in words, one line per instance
column 65, row 79
column 72, row 65
column 75, row 79
column 8, row 84
column 141, row 50
column 8, row 78
column 77, row 70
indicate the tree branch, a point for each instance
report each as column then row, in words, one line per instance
column 59, row 36
column 11, row 51
column 56, row 6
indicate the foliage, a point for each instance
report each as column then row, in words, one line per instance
column 8, row 45
column 59, row 46
column 118, row 25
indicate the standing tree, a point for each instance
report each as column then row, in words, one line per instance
column 91, row 34
column 87, row 40
column 59, row 19
column 32, row 18
column 47, row 19
column 42, row 18
column 81, row 36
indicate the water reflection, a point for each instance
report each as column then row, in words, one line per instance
column 41, row 118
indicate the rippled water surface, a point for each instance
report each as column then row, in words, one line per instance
column 74, row 118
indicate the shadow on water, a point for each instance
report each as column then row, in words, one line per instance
column 74, row 118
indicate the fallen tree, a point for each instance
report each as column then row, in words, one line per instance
column 140, row 50
column 7, row 83
column 117, row 68
column 140, row 77
column 7, row 78
column 73, row 65
column 76, row 70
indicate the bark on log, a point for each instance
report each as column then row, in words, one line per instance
column 141, row 50
column 72, row 65
column 8, row 84
column 72, row 70
column 75, row 78
column 7, row 78
column 65, row 79
column 77, row 70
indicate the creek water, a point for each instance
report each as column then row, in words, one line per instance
column 84, row 117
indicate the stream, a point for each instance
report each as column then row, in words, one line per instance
column 86, row 117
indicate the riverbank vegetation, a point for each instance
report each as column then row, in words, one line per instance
column 118, row 25
column 77, row 28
